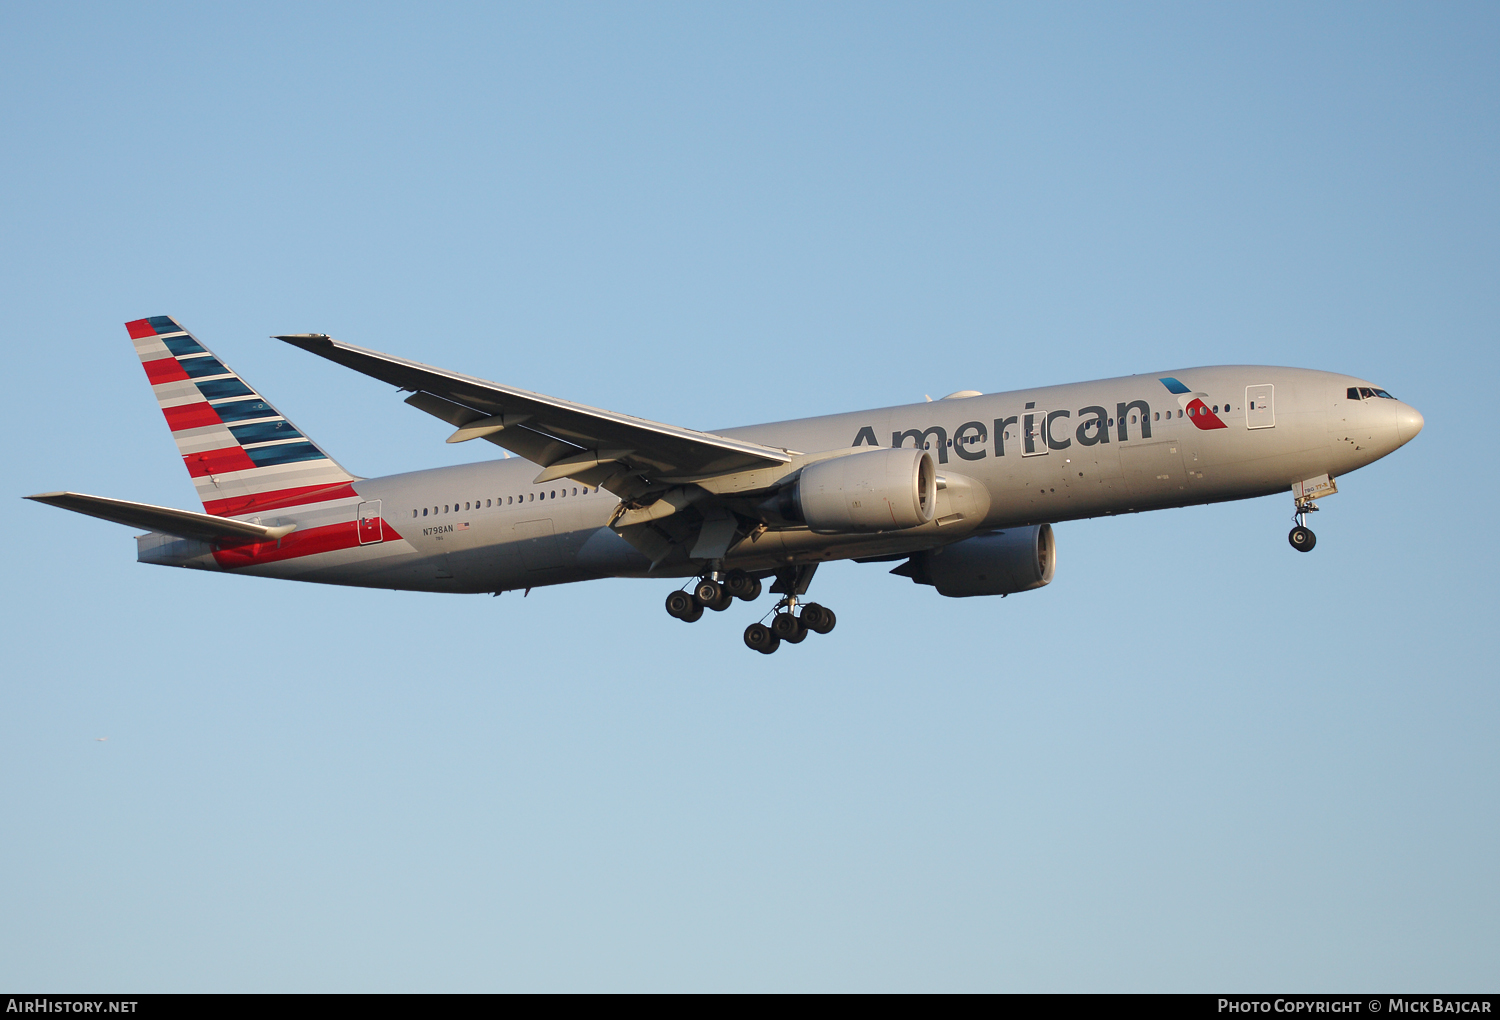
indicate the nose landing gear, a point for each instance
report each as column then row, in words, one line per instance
column 1302, row 537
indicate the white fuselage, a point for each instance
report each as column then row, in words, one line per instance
column 1044, row 455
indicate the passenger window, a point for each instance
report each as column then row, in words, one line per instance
column 1132, row 419
column 554, row 494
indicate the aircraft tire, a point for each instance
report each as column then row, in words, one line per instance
column 737, row 583
column 818, row 619
column 750, row 591
column 680, row 606
column 710, row 593
column 759, row 637
column 788, row 628
column 1302, row 539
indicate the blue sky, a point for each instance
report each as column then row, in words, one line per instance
column 1196, row 761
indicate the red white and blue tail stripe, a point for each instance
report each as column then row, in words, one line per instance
column 243, row 455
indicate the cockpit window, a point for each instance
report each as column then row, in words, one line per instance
column 1383, row 393
column 1353, row 392
column 1368, row 393
column 1365, row 393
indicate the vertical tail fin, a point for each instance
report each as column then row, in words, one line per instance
column 243, row 455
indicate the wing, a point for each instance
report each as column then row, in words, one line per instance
column 625, row 454
column 182, row 523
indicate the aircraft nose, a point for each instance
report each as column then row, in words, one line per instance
column 1409, row 422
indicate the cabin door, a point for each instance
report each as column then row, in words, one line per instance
column 1033, row 433
column 367, row 519
column 1260, row 406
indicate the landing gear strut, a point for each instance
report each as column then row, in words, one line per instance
column 1302, row 537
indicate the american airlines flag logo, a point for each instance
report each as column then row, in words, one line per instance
column 1198, row 412
column 463, row 525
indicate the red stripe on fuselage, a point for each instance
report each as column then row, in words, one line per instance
column 191, row 416
column 139, row 328
column 164, row 370
column 218, row 462
column 329, row 538
column 1201, row 416
column 279, row 499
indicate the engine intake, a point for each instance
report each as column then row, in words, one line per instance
column 878, row 490
column 1002, row 563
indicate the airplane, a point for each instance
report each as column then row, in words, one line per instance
column 961, row 492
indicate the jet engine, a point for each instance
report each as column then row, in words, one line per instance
column 1001, row 563
column 880, row 490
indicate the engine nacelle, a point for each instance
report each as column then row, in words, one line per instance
column 1002, row 563
column 880, row 490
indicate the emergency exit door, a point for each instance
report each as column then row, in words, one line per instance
column 1260, row 406
column 1033, row 433
column 368, row 520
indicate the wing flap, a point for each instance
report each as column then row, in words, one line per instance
column 182, row 523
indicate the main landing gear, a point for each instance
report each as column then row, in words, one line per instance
column 712, row 593
column 718, row 591
column 787, row 625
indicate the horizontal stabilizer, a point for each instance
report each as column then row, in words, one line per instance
column 182, row 523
